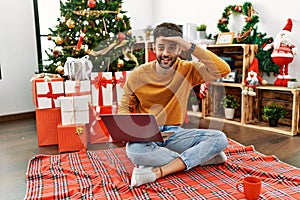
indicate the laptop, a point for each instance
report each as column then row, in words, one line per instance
column 132, row 127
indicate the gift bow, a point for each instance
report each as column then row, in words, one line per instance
column 79, row 130
column 100, row 82
column 122, row 79
column 78, row 69
column 50, row 95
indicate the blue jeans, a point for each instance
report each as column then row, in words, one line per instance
column 193, row 146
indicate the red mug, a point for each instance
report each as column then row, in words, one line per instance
column 251, row 187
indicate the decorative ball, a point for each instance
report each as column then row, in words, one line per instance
column 49, row 37
column 55, row 53
column 248, row 19
column 223, row 20
column 60, row 69
column 92, row 23
column 91, row 3
column 59, row 40
column 120, row 63
column 121, row 36
column 119, row 16
column 70, row 23
column 238, row 8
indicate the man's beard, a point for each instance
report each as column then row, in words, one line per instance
column 161, row 59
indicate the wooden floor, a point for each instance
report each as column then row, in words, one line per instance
column 18, row 143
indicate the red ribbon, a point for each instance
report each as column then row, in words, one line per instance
column 82, row 36
column 77, row 87
column 50, row 95
column 77, row 90
column 100, row 82
column 122, row 79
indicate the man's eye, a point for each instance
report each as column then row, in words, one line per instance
column 172, row 49
column 161, row 48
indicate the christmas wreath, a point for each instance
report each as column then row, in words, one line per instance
column 251, row 18
column 250, row 35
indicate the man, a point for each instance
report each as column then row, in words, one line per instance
column 162, row 87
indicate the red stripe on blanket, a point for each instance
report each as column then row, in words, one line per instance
column 105, row 174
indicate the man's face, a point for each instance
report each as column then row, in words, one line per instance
column 166, row 53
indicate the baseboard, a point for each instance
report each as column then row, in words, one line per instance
column 27, row 115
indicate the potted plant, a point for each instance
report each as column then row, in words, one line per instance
column 292, row 83
column 273, row 113
column 201, row 31
column 148, row 31
column 195, row 103
column 230, row 103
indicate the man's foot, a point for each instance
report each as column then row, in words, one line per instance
column 142, row 175
column 219, row 158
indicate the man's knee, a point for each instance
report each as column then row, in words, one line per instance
column 222, row 139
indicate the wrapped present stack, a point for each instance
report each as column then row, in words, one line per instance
column 67, row 111
column 46, row 88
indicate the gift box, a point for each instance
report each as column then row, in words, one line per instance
column 102, row 88
column 78, row 88
column 71, row 137
column 46, row 92
column 46, row 125
column 98, row 132
column 120, row 78
column 78, row 69
column 74, row 110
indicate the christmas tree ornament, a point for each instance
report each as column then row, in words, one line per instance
column 283, row 53
column 70, row 23
column 253, row 79
column 120, row 63
column 82, row 36
column 59, row 40
column 56, row 53
column 95, row 13
column 91, row 23
column 62, row 19
column 60, row 69
column 121, row 36
column 91, row 3
column 119, row 16
column 49, row 37
column 104, row 25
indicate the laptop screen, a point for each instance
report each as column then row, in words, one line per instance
column 132, row 127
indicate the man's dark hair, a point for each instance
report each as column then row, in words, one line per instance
column 167, row 30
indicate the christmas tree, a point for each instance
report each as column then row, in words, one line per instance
column 99, row 29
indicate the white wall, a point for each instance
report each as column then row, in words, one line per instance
column 18, row 56
column 18, row 47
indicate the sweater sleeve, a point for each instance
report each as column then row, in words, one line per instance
column 129, row 100
column 210, row 66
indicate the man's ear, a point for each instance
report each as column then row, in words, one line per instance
column 153, row 47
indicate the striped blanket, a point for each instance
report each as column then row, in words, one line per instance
column 105, row 174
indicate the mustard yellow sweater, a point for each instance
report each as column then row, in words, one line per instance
column 166, row 96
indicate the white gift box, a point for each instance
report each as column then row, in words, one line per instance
column 74, row 110
column 47, row 93
column 78, row 88
column 78, row 69
column 102, row 88
column 120, row 81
